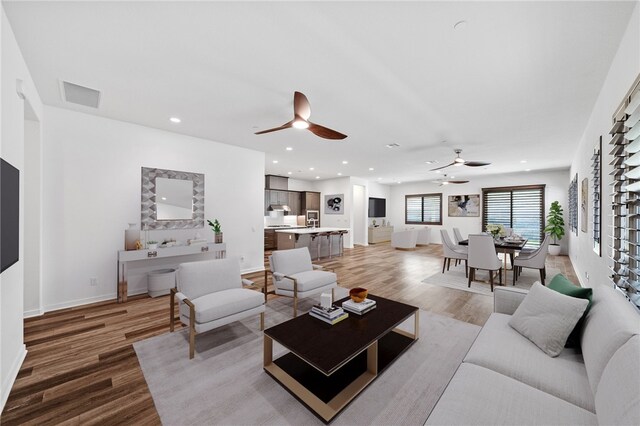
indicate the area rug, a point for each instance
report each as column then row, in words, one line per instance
column 225, row 383
column 455, row 278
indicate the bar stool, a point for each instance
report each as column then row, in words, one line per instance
column 341, row 233
column 332, row 234
column 322, row 235
column 313, row 238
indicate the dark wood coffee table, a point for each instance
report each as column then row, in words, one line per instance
column 329, row 365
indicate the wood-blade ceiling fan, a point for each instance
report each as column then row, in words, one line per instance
column 301, row 114
column 460, row 162
column 446, row 181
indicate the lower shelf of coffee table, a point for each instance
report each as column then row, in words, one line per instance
column 341, row 387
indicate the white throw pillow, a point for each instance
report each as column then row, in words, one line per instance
column 547, row 317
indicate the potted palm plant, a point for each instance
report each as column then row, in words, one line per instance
column 217, row 230
column 555, row 227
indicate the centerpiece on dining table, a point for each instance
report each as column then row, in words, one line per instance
column 496, row 230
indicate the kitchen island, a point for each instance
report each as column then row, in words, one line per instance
column 318, row 240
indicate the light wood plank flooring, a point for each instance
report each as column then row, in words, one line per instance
column 81, row 367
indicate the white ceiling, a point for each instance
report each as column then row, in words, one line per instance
column 517, row 83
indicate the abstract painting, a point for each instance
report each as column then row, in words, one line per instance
column 464, row 205
column 584, row 201
column 334, row 204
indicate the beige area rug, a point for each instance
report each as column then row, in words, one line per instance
column 225, row 383
column 455, row 278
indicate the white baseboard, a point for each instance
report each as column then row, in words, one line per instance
column 32, row 313
column 251, row 270
column 78, row 302
column 7, row 384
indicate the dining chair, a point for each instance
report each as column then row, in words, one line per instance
column 451, row 251
column 534, row 260
column 457, row 236
column 483, row 256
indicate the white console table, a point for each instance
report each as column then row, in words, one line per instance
column 124, row 257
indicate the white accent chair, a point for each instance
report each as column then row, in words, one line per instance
column 404, row 240
column 295, row 276
column 424, row 237
column 533, row 260
column 452, row 251
column 210, row 295
column 483, row 256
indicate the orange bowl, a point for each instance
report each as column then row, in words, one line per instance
column 358, row 294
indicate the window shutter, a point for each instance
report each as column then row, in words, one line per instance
column 431, row 209
column 423, row 209
column 413, row 209
column 520, row 208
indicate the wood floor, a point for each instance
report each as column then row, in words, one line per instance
column 81, row 367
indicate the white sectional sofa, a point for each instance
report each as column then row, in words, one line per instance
column 507, row 380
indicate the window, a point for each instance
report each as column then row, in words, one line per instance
column 423, row 209
column 517, row 207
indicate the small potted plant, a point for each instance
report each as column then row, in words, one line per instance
column 217, row 230
column 152, row 244
column 555, row 227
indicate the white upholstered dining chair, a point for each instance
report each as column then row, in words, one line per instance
column 295, row 276
column 533, row 260
column 451, row 251
column 210, row 295
column 483, row 256
column 457, row 236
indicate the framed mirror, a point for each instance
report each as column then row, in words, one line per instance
column 171, row 199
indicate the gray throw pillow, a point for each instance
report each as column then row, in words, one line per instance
column 547, row 317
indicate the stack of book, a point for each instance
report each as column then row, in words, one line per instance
column 359, row 308
column 332, row 315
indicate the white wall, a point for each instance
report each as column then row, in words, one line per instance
column 557, row 184
column 623, row 71
column 360, row 205
column 92, row 190
column 12, row 67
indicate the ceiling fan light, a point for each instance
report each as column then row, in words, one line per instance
column 458, row 163
column 300, row 124
column 445, row 183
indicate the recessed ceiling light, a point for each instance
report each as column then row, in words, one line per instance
column 460, row 25
column 345, row 162
column 275, row 161
column 175, row 120
column 527, row 170
column 164, row 198
column 370, row 169
column 339, row 174
column 379, row 179
column 437, row 171
column 523, row 161
column 453, row 177
column 317, row 177
column 310, row 168
column 289, row 173
column 398, row 182
column 392, row 145
column 289, row 148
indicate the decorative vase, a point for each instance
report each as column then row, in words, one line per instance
column 131, row 236
column 218, row 238
column 554, row 249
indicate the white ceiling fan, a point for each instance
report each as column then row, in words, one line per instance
column 447, row 181
column 461, row 162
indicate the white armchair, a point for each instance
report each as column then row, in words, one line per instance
column 404, row 240
column 452, row 251
column 533, row 260
column 424, row 237
column 210, row 295
column 295, row 276
column 483, row 256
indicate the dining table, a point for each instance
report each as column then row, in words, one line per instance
column 504, row 246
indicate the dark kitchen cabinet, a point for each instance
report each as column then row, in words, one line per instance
column 310, row 201
column 294, row 203
column 270, row 239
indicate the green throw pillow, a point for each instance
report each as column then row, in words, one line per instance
column 561, row 284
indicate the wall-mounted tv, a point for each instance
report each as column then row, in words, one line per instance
column 377, row 207
column 9, row 214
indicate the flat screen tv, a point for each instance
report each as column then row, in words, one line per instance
column 9, row 214
column 377, row 207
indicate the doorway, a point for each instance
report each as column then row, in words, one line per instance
column 359, row 215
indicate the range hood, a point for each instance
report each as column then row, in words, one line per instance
column 279, row 208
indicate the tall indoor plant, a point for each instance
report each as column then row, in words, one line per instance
column 555, row 227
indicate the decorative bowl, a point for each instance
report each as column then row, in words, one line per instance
column 358, row 294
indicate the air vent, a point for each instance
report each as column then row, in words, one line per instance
column 80, row 95
column 392, row 145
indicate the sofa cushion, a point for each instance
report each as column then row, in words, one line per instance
column 223, row 303
column 610, row 323
column 547, row 317
column 561, row 284
column 618, row 394
column 500, row 348
column 308, row 280
column 479, row 396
